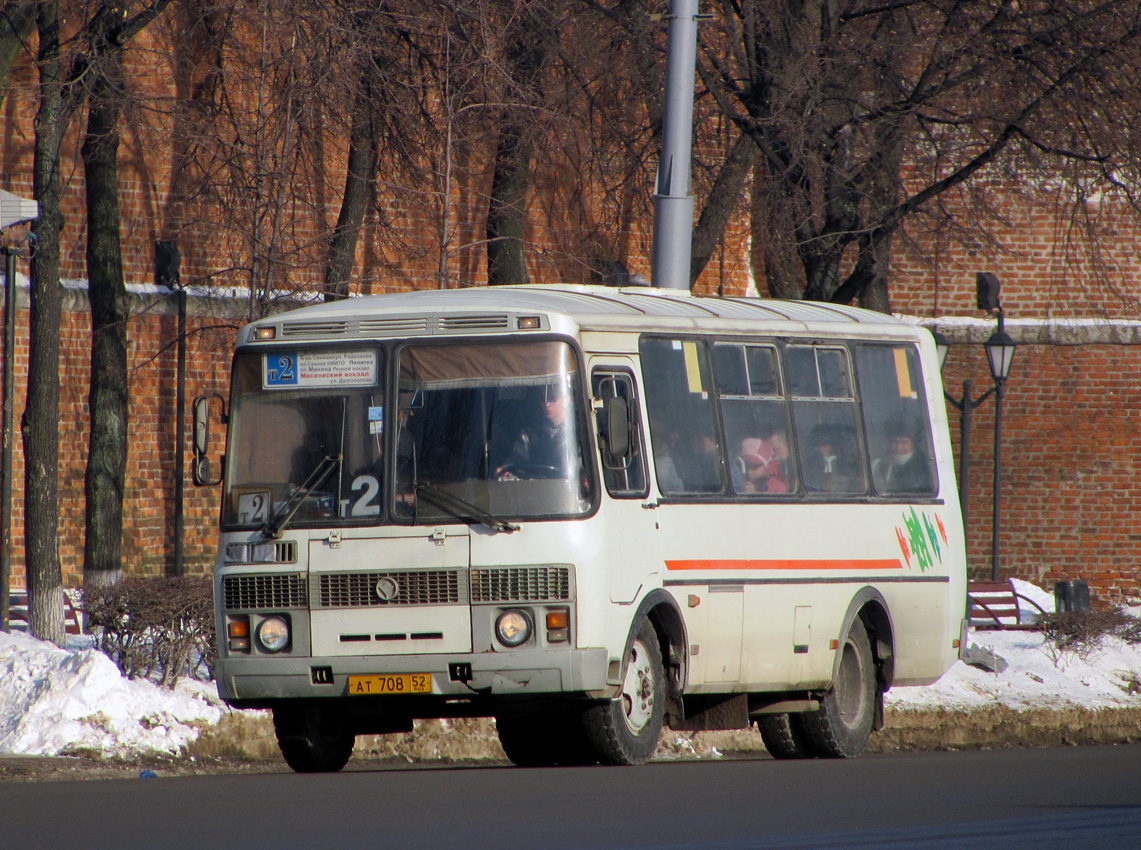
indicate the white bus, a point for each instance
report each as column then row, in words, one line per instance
column 586, row 512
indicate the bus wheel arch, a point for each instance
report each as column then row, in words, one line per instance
column 852, row 708
column 872, row 610
column 662, row 611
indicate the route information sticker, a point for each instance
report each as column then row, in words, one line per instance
column 293, row 369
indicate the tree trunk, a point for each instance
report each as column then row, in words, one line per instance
column 360, row 177
column 507, row 213
column 16, row 19
column 722, row 200
column 108, row 398
column 40, row 428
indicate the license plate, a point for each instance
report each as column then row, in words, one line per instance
column 393, row 683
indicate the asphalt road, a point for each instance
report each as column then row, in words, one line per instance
column 1061, row 798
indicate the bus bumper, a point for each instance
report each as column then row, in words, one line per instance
column 526, row 672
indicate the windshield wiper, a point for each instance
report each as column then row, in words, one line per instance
column 461, row 508
column 273, row 527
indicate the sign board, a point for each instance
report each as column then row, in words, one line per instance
column 298, row 369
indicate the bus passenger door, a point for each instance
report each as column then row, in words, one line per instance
column 632, row 544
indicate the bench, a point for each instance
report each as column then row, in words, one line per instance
column 996, row 605
column 18, row 613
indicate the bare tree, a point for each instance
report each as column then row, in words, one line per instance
column 108, row 396
column 60, row 93
column 865, row 112
column 527, row 35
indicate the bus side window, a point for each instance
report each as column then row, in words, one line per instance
column 824, row 409
column 679, row 399
column 756, row 419
column 624, row 474
column 895, row 420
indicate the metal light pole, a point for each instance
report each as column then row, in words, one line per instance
column 6, row 473
column 673, row 204
column 13, row 210
column 1000, row 355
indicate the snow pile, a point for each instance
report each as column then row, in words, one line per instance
column 55, row 701
column 1038, row 675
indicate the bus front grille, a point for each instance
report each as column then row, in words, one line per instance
column 521, row 584
column 264, row 591
column 405, row 587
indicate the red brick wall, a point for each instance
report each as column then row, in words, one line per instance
column 1071, row 438
column 1071, row 465
column 148, row 544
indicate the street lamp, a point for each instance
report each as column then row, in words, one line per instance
column 13, row 210
column 1000, row 354
column 966, row 407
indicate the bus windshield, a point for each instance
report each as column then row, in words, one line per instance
column 497, row 427
column 306, row 438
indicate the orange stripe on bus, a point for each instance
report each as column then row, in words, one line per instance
column 848, row 564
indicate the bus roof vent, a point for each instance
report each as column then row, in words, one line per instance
column 474, row 323
column 314, row 328
column 394, row 325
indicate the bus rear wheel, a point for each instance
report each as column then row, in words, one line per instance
column 784, row 736
column 842, row 725
column 625, row 730
column 313, row 738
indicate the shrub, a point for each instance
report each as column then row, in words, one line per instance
column 1081, row 632
column 157, row 628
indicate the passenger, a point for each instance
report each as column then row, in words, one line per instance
column 821, row 462
column 765, row 464
column 904, row 469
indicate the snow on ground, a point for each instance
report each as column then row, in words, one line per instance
column 55, row 701
column 1038, row 676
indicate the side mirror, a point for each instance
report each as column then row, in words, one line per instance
column 617, row 414
column 200, row 472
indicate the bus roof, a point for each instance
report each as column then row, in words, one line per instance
column 565, row 308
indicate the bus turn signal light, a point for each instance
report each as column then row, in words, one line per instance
column 238, row 631
column 558, row 629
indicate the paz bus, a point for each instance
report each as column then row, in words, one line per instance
column 588, row 512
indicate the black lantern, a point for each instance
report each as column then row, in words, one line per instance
column 942, row 346
column 1000, row 354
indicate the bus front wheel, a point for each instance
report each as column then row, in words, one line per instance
column 625, row 730
column 843, row 723
column 313, row 738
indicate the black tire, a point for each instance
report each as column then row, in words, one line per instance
column 545, row 740
column 842, row 725
column 313, row 738
column 784, row 736
column 625, row 730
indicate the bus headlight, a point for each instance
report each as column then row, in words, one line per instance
column 273, row 634
column 513, row 628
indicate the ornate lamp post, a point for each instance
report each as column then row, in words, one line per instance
column 966, row 407
column 13, row 210
column 1000, row 354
